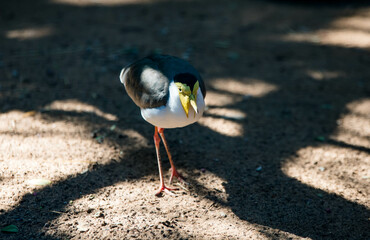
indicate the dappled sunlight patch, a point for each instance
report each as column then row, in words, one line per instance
column 350, row 31
column 226, row 113
column 26, row 124
column 30, row 33
column 341, row 164
column 360, row 21
column 84, row 3
column 106, row 208
column 245, row 87
column 222, row 126
column 77, row 106
column 354, row 126
column 211, row 184
column 225, row 121
column 322, row 75
column 138, row 139
column 51, row 158
column 129, row 209
column 221, row 99
column 344, row 38
column 332, row 169
column 32, row 148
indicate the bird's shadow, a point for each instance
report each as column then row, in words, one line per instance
column 278, row 124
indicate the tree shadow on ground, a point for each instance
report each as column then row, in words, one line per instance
column 278, row 123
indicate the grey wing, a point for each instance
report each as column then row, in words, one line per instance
column 145, row 83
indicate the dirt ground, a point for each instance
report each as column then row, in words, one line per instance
column 282, row 152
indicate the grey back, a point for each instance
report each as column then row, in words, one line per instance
column 147, row 80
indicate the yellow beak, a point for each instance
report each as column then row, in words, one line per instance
column 188, row 98
column 185, row 102
column 193, row 102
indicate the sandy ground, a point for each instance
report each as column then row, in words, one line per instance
column 282, row 152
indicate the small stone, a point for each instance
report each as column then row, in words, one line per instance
column 98, row 214
column 94, row 134
column 83, row 227
column 113, row 127
column 223, row 214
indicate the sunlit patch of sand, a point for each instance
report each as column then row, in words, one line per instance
column 227, row 92
column 77, row 106
column 332, row 169
column 354, row 126
column 247, row 86
column 350, row 31
column 30, row 33
column 341, row 165
column 226, row 113
column 344, row 38
column 222, row 126
column 32, row 148
column 113, row 208
column 322, row 75
column 359, row 21
column 221, row 99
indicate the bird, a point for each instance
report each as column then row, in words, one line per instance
column 170, row 94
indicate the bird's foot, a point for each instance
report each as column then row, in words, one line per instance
column 175, row 173
column 165, row 189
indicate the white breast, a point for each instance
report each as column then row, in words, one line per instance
column 173, row 115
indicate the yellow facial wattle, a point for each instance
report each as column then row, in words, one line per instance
column 187, row 97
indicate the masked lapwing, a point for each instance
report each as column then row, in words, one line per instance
column 170, row 93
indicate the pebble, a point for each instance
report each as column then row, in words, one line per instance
column 98, row 214
column 223, row 214
column 82, row 227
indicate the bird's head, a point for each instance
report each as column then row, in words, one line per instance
column 188, row 87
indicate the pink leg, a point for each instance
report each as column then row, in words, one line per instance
column 162, row 187
column 174, row 172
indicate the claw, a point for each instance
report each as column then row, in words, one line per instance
column 165, row 189
column 176, row 174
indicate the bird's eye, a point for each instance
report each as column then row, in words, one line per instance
column 180, row 90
